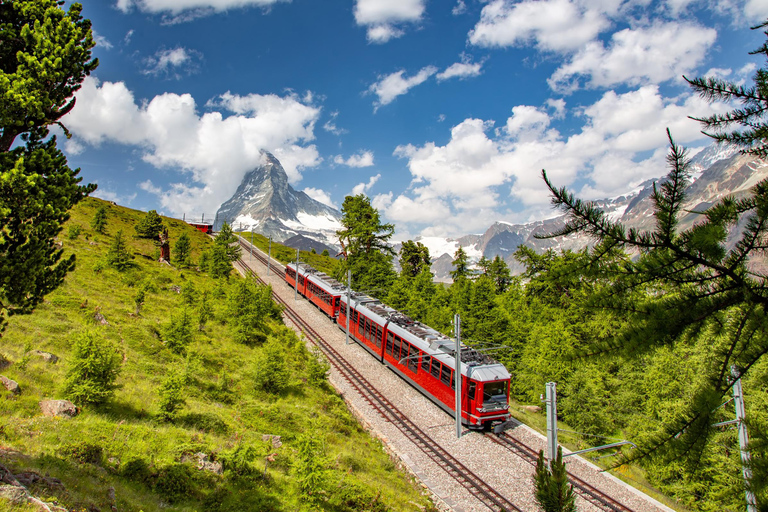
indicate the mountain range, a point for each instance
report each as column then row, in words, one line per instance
column 267, row 203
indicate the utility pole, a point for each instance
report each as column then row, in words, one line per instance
column 457, row 331
column 738, row 402
column 269, row 255
column 296, row 288
column 551, row 401
column 250, row 258
column 349, row 299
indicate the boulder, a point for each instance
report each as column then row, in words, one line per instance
column 4, row 363
column 10, row 385
column 14, row 494
column 63, row 408
column 204, row 463
column 531, row 408
column 7, row 478
column 275, row 440
column 45, row 356
column 100, row 318
column 175, row 288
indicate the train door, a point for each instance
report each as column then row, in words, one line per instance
column 470, row 399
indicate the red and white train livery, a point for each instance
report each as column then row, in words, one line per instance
column 419, row 354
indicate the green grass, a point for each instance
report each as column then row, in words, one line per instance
column 217, row 418
column 285, row 254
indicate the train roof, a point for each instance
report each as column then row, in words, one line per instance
column 320, row 278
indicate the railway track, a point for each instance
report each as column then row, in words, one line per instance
column 458, row 471
column 387, row 410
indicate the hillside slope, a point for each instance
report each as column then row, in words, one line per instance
column 292, row 446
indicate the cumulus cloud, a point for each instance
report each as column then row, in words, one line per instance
column 456, row 187
column 463, row 69
column 101, row 41
column 361, row 159
column 384, row 18
column 393, row 85
column 459, row 8
column 364, row 188
column 173, row 63
column 330, row 125
column 321, row 196
column 178, row 6
column 651, row 54
column 552, row 25
column 211, row 151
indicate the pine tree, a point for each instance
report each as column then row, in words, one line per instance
column 99, row 221
column 118, row 256
column 414, row 257
column 181, row 250
column 171, row 395
column 93, row 370
column 149, row 226
column 460, row 265
column 752, row 131
column 553, row 493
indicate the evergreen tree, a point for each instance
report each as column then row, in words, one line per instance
column 182, row 250
column 93, row 370
column 227, row 240
column 171, row 395
column 414, row 257
column 149, row 226
column 498, row 271
column 178, row 332
column 99, row 220
column 752, row 131
column 460, row 265
column 365, row 248
column 118, row 256
column 553, row 493
column 204, row 310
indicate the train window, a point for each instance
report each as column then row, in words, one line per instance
column 367, row 334
column 435, row 367
column 396, row 351
column 495, row 391
column 425, row 362
column 413, row 361
column 471, row 392
column 390, row 343
column 379, row 335
column 445, row 375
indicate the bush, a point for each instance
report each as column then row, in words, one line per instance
column 317, row 368
column 175, row 482
column 84, row 453
column 178, row 332
column 271, row 372
column 137, row 470
column 93, row 370
column 172, row 396
column 118, row 256
column 239, row 462
column 356, row 498
column 74, row 231
column 181, row 250
column 309, row 466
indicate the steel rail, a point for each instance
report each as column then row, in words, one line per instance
column 381, row 404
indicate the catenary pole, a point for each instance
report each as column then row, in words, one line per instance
column 250, row 258
column 551, row 400
column 457, row 331
column 349, row 299
column 269, row 255
column 296, row 288
column 738, row 401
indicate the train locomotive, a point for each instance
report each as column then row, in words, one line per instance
column 422, row 356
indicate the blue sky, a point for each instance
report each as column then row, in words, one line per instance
column 443, row 112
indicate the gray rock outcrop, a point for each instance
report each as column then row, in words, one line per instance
column 61, row 408
column 10, row 385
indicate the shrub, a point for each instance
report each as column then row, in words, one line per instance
column 99, row 221
column 150, row 225
column 309, row 466
column 239, row 462
column 175, row 482
column 204, row 310
column 178, row 332
column 188, row 294
column 137, row 470
column 317, row 368
column 74, row 231
column 271, row 372
column 138, row 299
column 350, row 496
column 93, row 369
column 118, row 256
column 172, row 396
column 181, row 250
column 84, row 453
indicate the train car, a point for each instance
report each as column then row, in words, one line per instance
column 422, row 356
column 319, row 288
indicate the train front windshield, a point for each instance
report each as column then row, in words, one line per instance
column 495, row 392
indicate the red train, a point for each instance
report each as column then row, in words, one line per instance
column 417, row 353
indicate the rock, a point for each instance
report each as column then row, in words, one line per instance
column 45, row 356
column 7, row 478
column 204, row 463
column 100, row 318
column 175, row 288
column 16, row 495
column 531, row 408
column 10, row 385
column 4, row 363
column 276, row 442
column 63, row 408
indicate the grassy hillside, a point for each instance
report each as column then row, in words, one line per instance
column 325, row 462
column 285, row 254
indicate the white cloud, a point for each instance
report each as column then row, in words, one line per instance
column 384, row 18
column 361, row 159
column 558, row 105
column 174, row 63
column 101, row 41
column 111, row 195
column 330, row 125
column 364, row 188
column 756, row 10
column 464, row 69
column 320, row 195
column 128, row 37
column 211, row 151
column 554, row 25
column 459, row 9
column 456, row 187
column 393, row 85
column 178, row 6
column 652, row 54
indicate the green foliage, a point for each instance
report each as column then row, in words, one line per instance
column 553, row 492
column 149, row 226
column 83, row 452
column 270, row 369
column 204, row 310
column 250, row 307
column 178, row 332
column 74, row 231
column 364, row 246
column 414, row 258
column 240, row 461
column 317, row 368
column 172, row 395
column 137, row 470
column 460, row 265
column 189, row 294
column 44, row 59
column 227, row 240
column 138, row 299
column 99, row 220
column 176, row 482
column 752, row 131
column 118, row 256
column 181, row 251
column 93, row 369
column 309, row 465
